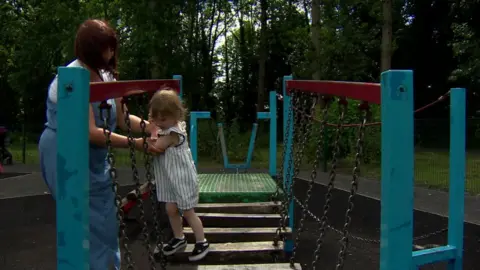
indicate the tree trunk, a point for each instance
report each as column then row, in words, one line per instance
column 386, row 59
column 316, row 38
column 227, row 68
column 247, row 99
column 262, row 56
column 315, row 35
column 305, row 10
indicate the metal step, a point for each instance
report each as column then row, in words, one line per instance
column 238, row 220
column 238, row 208
column 261, row 252
column 221, row 235
column 273, row 266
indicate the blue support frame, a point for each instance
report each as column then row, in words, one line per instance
column 180, row 78
column 72, row 198
column 272, row 154
column 194, row 116
column 457, row 175
column 270, row 115
column 287, row 103
column 251, row 146
column 453, row 252
column 397, row 170
column 397, row 174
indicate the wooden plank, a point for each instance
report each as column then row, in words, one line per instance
column 238, row 220
column 232, row 215
column 232, row 253
column 241, row 247
column 238, row 208
column 238, row 234
column 273, row 266
column 238, row 230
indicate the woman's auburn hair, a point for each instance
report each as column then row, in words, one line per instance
column 93, row 38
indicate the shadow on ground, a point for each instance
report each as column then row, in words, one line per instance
column 27, row 233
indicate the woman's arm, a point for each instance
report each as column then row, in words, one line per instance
column 98, row 138
column 134, row 120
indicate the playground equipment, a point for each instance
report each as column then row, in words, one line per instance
column 251, row 146
column 270, row 116
column 395, row 94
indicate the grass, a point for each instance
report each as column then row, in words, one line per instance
column 431, row 167
column 431, row 170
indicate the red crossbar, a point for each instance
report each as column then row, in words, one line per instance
column 100, row 91
column 131, row 204
column 369, row 92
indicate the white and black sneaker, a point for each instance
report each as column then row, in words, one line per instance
column 200, row 250
column 174, row 245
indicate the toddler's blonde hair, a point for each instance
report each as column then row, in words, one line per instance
column 167, row 103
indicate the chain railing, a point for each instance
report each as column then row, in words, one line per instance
column 105, row 106
column 359, row 238
column 304, row 114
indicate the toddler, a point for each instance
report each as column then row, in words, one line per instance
column 175, row 173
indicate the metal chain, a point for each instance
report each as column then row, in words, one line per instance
column 431, row 234
column 305, row 118
column 363, row 239
column 113, row 175
column 353, row 189
column 280, row 183
column 333, row 174
column 136, row 179
column 313, row 176
column 158, row 231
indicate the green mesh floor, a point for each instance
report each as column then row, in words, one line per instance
column 236, row 188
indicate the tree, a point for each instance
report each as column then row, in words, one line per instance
column 386, row 59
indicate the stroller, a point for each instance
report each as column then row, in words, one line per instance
column 6, row 157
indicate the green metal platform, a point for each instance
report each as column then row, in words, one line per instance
column 236, row 187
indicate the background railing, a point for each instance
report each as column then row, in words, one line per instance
column 431, row 150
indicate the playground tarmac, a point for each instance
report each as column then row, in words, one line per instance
column 27, row 227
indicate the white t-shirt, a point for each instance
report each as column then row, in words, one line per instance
column 52, row 89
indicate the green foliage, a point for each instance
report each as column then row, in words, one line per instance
column 215, row 45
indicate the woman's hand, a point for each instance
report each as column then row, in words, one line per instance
column 152, row 129
column 150, row 149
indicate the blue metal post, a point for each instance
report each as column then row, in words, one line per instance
column 180, row 78
column 194, row 137
column 453, row 251
column 194, row 116
column 251, row 146
column 272, row 150
column 287, row 102
column 223, row 144
column 72, row 198
column 397, row 170
column 457, row 175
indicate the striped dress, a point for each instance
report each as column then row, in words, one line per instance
column 175, row 172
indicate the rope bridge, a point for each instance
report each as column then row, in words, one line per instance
column 304, row 102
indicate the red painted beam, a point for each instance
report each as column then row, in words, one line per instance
column 100, row 91
column 369, row 92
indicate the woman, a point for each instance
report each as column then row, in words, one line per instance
column 96, row 48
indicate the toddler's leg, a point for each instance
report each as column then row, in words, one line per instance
column 195, row 223
column 178, row 242
column 201, row 246
column 176, row 220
